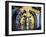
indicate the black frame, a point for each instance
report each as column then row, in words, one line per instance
column 7, row 16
